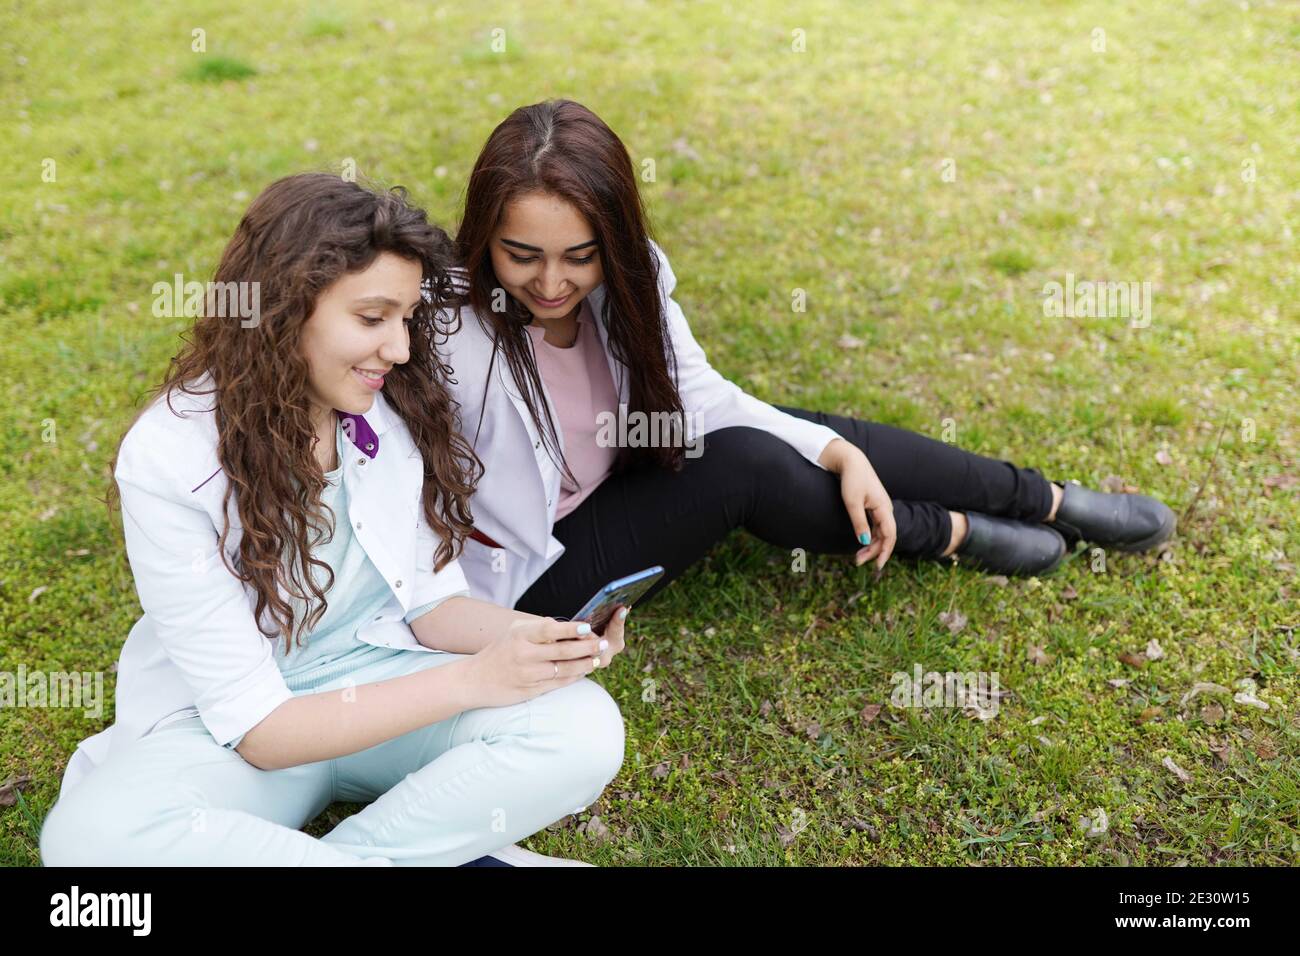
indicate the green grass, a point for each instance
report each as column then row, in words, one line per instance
column 1168, row 158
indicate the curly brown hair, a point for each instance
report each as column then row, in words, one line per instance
column 298, row 236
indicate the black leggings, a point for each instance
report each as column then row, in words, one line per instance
column 749, row 479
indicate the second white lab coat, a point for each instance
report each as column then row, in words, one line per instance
column 514, row 503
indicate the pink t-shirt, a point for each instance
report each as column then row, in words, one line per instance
column 580, row 387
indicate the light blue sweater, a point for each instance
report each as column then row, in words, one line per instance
column 359, row 592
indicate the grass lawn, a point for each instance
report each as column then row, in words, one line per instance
column 921, row 173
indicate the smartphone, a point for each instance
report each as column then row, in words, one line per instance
column 625, row 591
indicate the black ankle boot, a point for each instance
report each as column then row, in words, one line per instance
column 1007, row 546
column 1123, row 522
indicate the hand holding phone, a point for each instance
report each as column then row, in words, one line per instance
column 624, row 591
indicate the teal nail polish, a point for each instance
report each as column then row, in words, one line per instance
column 865, row 537
column 584, row 629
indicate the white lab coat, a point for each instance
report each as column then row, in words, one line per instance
column 197, row 649
column 515, row 501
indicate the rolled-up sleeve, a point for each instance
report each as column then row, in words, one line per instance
column 200, row 611
column 433, row 587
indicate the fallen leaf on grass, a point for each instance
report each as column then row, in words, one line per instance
column 955, row 621
column 1154, row 651
column 870, row 712
column 1211, row 713
column 37, row 593
column 1114, row 484
column 9, row 789
column 1138, row 660
column 1202, row 687
column 1265, row 749
column 1095, row 825
column 1247, row 694
column 1151, row 713
column 1039, row 657
column 862, row 826
column 595, row 829
column 1176, row 770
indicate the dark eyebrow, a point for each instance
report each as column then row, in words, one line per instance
column 385, row 301
column 521, row 245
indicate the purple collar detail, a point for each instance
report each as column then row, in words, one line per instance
column 359, row 432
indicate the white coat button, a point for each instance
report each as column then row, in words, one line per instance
column 397, row 584
column 537, row 444
column 358, row 525
column 361, row 461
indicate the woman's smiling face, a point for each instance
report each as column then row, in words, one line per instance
column 358, row 331
column 544, row 254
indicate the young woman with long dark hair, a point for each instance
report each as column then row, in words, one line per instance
column 293, row 500
column 571, row 342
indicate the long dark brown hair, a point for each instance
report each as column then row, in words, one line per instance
column 300, row 235
column 563, row 149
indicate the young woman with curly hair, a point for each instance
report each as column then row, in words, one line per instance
column 293, row 500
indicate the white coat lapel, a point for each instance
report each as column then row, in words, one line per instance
column 514, row 460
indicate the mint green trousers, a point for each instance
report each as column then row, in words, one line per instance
column 441, row 795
